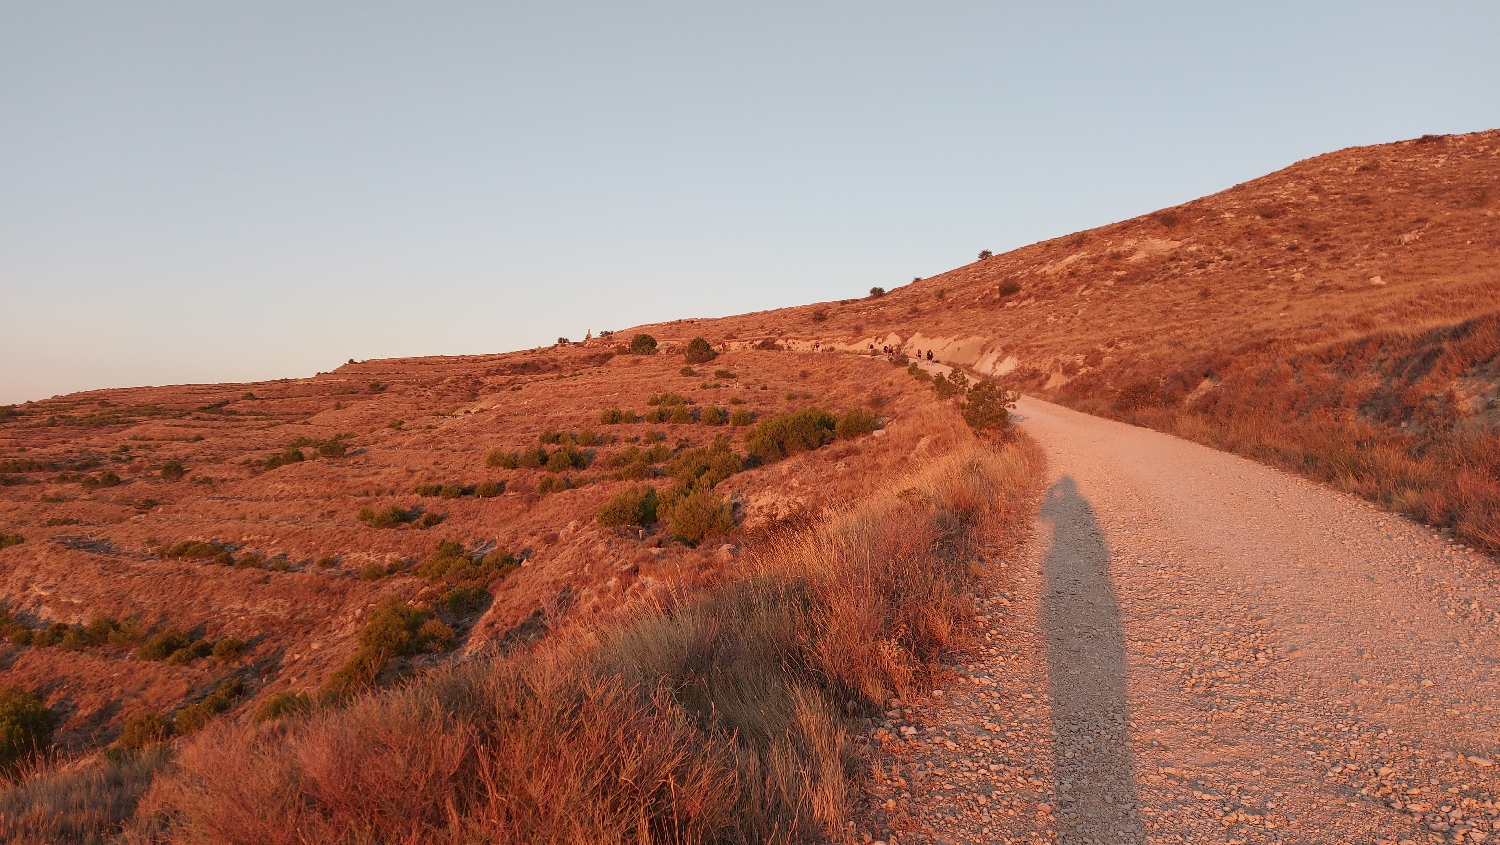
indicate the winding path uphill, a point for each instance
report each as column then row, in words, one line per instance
column 1193, row 647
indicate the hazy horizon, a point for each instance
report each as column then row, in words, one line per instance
column 217, row 194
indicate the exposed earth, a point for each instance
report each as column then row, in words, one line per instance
column 1196, row 648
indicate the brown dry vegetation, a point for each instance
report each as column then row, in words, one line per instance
column 1337, row 318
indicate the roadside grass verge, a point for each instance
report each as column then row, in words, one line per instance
column 728, row 715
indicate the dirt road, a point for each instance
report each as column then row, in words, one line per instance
column 1196, row 648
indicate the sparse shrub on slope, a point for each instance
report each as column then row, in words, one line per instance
column 699, row 351
column 289, row 455
column 699, row 515
column 173, row 470
column 856, row 422
column 615, row 416
column 776, row 438
column 26, row 726
column 636, row 506
column 145, row 729
column 390, row 517
column 502, row 459
column 712, row 415
column 8, row 540
column 395, row 629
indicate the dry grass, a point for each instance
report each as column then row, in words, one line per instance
column 719, row 717
column 84, row 803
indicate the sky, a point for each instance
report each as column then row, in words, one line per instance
column 217, row 192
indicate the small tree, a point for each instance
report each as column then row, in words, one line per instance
column 986, row 407
column 643, row 344
column 877, row 292
column 26, row 726
column 699, row 351
column 700, row 515
column 984, row 253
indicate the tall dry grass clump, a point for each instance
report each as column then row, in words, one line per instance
column 84, row 803
column 725, row 716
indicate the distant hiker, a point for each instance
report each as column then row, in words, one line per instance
column 929, row 354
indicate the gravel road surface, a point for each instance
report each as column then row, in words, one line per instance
column 1193, row 647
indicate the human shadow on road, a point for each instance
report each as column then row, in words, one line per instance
column 1086, row 668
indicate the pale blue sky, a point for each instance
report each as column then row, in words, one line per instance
column 231, row 191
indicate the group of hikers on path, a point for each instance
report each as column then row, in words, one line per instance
column 892, row 350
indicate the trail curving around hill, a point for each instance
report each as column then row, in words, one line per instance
column 1193, row 647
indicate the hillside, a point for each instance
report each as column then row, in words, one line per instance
column 1339, row 318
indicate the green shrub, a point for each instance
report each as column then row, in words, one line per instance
column 281, row 705
column 667, row 398
column 145, row 729
column 533, row 457
column 856, row 422
column 50, row 636
column 800, row 431
column 195, row 550
column 554, row 484
column 699, row 351
column 130, row 631
column 955, row 384
column 635, row 506
column 173, row 470
column 711, row 415
column 819, row 315
column 195, row 716
column 388, row 518
column 643, row 344
column 504, row 460
column 915, row 371
column 653, row 437
column 228, row 648
column 741, row 417
column 566, row 457
column 698, row 516
column 8, row 540
column 615, row 416
column 680, row 415
column 1010, row 288
column 372, row 571
column 26, row 726
column 489, row 489
column 289, row 455
column 326, row 562
column 877, row 292
column 436, row 635
column 705, row 467
column 687, row 371
column 163, row 644
column 454, row 491
column 725, row 374
column 986, row 407
column 465, row 601
column 430, row 519
column 587, row 437
column 249, row 560
column 104, row 479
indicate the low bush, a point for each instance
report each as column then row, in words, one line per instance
column 856, row 422
column 145, row 729
column 635, row 506
column 390, row 517
column 501, row 459
column 877, row 292
column 741, row 417
column 108, row 478
column 643, row 344
column 566, row 457
column 724, row 374
column 770, row 345
column 819, row 315
column 26, row 726
column 615, row 416
column 289, row 455
column 163, row 644
column 372, row 571
column 335, row 448
column 173, row 470
column 687, row 371
column 281, row 705
column 699, row 351
column 554, row 484
column 193, row 717
column 1008, row 288
column 8, row 540
column 198, row 550
column 228, row 649
column 451, row 565
column 465, row 601
column 489, row 489
column 711, row 415
column 984, row 253
column 396, row 629
column 533, row 457
column 915, row 371
column 698, row 516
column 778, row 437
